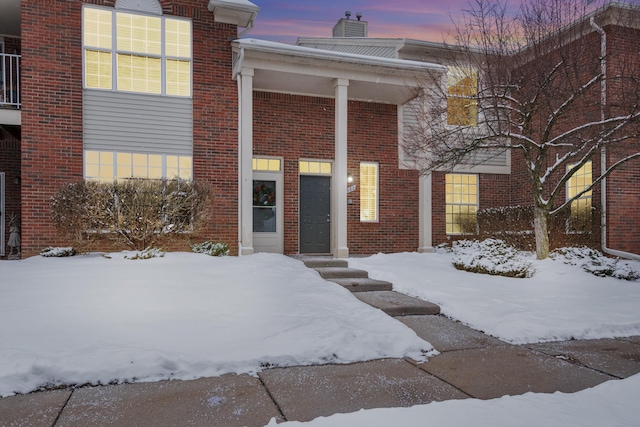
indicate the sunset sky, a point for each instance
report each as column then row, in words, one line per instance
column 286, row 20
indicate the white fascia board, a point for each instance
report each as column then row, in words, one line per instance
column 255, row 45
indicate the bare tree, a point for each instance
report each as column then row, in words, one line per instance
column 534, row 83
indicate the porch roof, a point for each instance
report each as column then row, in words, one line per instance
column 300, row 70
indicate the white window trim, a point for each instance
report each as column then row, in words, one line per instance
column 377, row 193
column 477, row 204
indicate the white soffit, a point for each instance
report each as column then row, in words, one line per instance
column 237, row 12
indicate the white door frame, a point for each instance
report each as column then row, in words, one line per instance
column 271, row 242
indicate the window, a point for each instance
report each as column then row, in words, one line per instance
column 266, row 164
column 109, row 166
column 462, row 96
column 264, row 194
column 152, row 53
column 461, row 194
column 580, row 216
column 368, row 192
column 314, row 167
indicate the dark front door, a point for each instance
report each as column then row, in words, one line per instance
column 315, row 208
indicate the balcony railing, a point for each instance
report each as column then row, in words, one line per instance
column 9, row 80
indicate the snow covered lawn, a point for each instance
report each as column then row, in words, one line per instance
column 90, row 319
column 559, row 302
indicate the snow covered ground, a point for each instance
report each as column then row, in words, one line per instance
column 559, row 302
column 92, row 319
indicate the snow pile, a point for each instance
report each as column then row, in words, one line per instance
column 491, row 256
column 57, row 252
column 595, row 263
column 613, row 403
column 93, row 319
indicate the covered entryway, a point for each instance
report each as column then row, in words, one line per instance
column 315, row 214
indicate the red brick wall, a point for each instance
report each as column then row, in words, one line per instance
column 296, row 127
column 52, row 111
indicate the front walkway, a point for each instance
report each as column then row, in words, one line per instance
column 470, row 365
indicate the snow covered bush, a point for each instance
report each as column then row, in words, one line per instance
column 211, row 248
column 133, row 213
column 596, row 263
column 491, row 256
column 147, row 253
column 57, row 252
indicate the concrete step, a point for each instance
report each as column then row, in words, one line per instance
column 321, row 262
column 341, row 273
column 364, row 285
column 396, row 304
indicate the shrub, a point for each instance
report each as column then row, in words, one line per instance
column 135, row 213
column 491, row 256
column 57, row 252
column 211, row 248
column 596, row 263
column 147, row 253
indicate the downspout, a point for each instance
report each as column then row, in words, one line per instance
column 603, row 151
column 249, row 27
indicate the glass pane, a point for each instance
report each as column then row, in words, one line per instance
column 155, row 166
column 325, row 168
column 314, row 167
column 274, row 164
column 97, row 28
column 178, row 38
column 264, row 220
column 304, row 167
column 97, row 68
column 124, row 165
column 139, row 74
column 178, row 77
column 264, row 211
column 264, row 193
column 140, row 165
column 138, row 33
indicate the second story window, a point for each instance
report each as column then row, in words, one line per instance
column 132, row 52
column 462, row 96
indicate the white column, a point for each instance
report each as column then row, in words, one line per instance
column 339, row 190
column 425, row 214
column 246, row 161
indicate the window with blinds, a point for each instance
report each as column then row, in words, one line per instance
column 152, row 54
column 580, row 217
column 368, row 192
column 461, row 198
column 111, row 166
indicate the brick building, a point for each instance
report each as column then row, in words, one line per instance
column 300, row 143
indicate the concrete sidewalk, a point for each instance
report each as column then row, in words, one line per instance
column 471, row 364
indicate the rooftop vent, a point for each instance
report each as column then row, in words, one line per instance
column 347, row 27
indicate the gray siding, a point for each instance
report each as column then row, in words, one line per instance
column 117, row 121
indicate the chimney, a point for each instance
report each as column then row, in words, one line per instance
column 347, row 27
